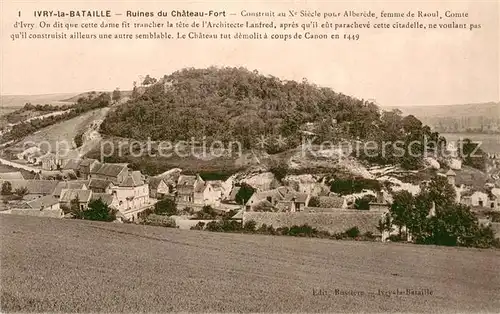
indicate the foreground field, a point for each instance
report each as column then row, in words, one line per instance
column 58, row 265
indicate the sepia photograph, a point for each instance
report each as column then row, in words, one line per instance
column 249, row 156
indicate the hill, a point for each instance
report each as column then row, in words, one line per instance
column 482, row 117
column 16, row 101
column 68, row 266
column 236, row 104
column 257, row 112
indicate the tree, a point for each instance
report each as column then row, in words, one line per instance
column 279, row 169
column 148, row 80
column 21, row 192
column 116, row 95
column 472, row 154
column 401, row 209
column 441, row 192
column 245, row 192
column 165, row 206
column 100, row 211
column 363, row 203
column 6, row 188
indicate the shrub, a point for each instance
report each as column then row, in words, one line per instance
column 224, row 226
column 314, row 202
column 199, row 226
column 250, row 226
column 206, row 213
column 6, row 188
column 160, row 220
column 165, row 206
column 352, row 232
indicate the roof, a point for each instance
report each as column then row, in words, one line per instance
column 44, row 201
column 297, row 197
column 72, row 164
column 11, row 176
column 155, row 182
column 99, row 184
column 87, row 162
column 110, row 170
column 216, row 184
column 105, row 197
column 239, row 214
column 200, row 187
column 451, row 173
column 82, row 195
column 234, row 192
column 186, row 180
column 133, row 179
column 331, row 201
column 77, row 184
column 34, row 186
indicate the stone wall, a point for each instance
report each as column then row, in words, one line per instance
column 333, row 222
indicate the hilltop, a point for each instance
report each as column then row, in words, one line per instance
column 84, row 266
column 237, row 105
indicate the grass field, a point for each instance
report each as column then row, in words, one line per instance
column 59, row 265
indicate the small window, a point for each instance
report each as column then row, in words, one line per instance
column 481, row 203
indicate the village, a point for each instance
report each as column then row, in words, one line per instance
column 55, row 184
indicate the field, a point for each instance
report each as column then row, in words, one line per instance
column 59, row 265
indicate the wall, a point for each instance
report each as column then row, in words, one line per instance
column 333, row 222
column 39, row 213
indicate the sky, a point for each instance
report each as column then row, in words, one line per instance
column 395, row 68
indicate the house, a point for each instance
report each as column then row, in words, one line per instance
column 211, row 195
column 11, row 176
column 332, row 202
column 45, row 206
column 158, row 188
column 293, row 202
column 475, row 198
column 72, row 164
column 101, row 186
column 116, row 173
column 85, row 167
column 267, row 198
column 49, row 161
column 109, row 199
column 186, row 187
column 47, row 202
column 83, row 197
column 132, row 193
column 69, row 185
column 232, row 196
column 35, row 188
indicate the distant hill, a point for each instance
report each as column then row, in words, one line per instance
column 7, row 101
column 481, row 117
column 74, row 98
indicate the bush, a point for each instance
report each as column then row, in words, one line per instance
column 98, row 210
column 352, row 232
column 314, row 202
column 165, row 206
column 206, row 213
column 160, row 220
column 224, row 226
column 6, row 188
column 199, row 226
column 250, row 226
